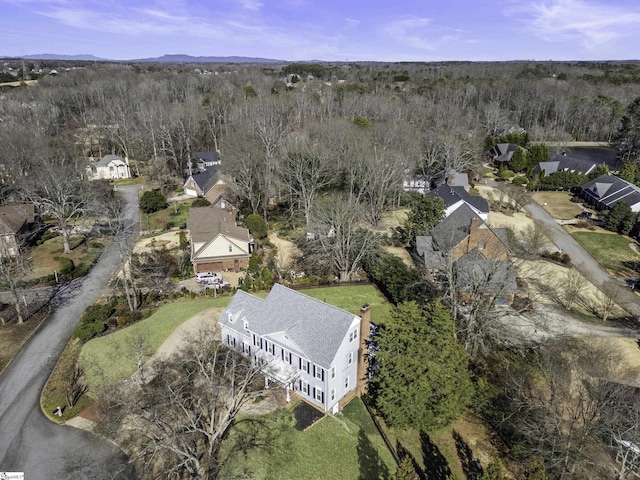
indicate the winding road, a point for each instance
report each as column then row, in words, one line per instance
column 29, row 441
column 580, row 259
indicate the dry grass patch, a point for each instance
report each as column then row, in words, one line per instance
column 42, row 256
column 517, row 221
column 558, row 204
column 401, row 253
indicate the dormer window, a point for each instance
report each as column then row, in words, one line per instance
column 246, row 325
column 230, row 317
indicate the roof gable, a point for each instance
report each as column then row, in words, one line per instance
column 316, row 328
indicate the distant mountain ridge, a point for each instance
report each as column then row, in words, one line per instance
column 54, row 56
column 175, row 58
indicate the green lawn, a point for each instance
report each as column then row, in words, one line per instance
column 352, row 297
column 612, row 251
column 346, row 446
column 167, row 218
column 111, row 358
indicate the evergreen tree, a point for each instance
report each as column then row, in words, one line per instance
column 519, row 161
column 152, row 201
column 494, row 471
column 620, row 219
column 422, row 380
column 630, row 173
column 538, row 153
column 601, row 169
column 425, row 213
column 405, row 470
column 627, row 139
column 256, row 225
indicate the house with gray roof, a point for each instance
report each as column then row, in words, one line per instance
column 566, row 163
column 456, row 196
column 478, row 253
column 307, row 346
column 606, row 190
column 109, row 167
column 502, row 152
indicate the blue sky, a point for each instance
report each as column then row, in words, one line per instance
column 333, row 30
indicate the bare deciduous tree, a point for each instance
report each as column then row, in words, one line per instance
column 175, row 423
column 343, row 240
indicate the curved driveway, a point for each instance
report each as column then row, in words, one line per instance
column 581, row 260
column 31, row 443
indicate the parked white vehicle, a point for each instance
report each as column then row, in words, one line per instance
column 207, row 277
column 215, row 285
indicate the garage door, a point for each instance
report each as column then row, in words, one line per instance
column 209, row 267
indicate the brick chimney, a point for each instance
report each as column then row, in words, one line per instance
column 362, row 385
column 473, row 234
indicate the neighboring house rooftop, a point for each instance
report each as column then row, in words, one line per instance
column 204, row 223
column 566, row 163
column 14, row 217
column 502, row 152
column 210, row 158
column 607, row 190
column 475, row 271
column 107, row 159
column 307, row 326
column 452, row 195
column 454, row 228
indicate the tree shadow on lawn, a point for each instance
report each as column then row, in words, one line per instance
column 470, row 465
column 371, row 465
column 435, row 464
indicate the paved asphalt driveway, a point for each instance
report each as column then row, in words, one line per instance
column 582, row 261
column 31, row 443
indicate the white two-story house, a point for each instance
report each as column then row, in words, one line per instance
column 306, row 345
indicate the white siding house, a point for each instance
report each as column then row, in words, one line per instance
column 110, row 167
column 307, row 346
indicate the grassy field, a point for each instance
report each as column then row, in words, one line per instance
column 111, row 358
column 167, row 218
column 352, row 297
column 558, row 204
column 346, row 446
column 612, row 251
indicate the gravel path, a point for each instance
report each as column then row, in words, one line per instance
column 29, row 441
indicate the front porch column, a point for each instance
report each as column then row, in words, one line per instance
column 288, row 394
column 266, row 383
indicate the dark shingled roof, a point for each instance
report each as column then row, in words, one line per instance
column 454, row 228
column 566, row 163
column 209, row 157
column 207, row 179
column 428, row 253
column 452, row 195
column 609, row 190
column 315, row 327
column 477, row 273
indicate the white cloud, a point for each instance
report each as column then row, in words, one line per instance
column 411, row 31
column 591, row 24
column 251, row 4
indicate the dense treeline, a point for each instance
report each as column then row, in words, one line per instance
column 368, row 123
